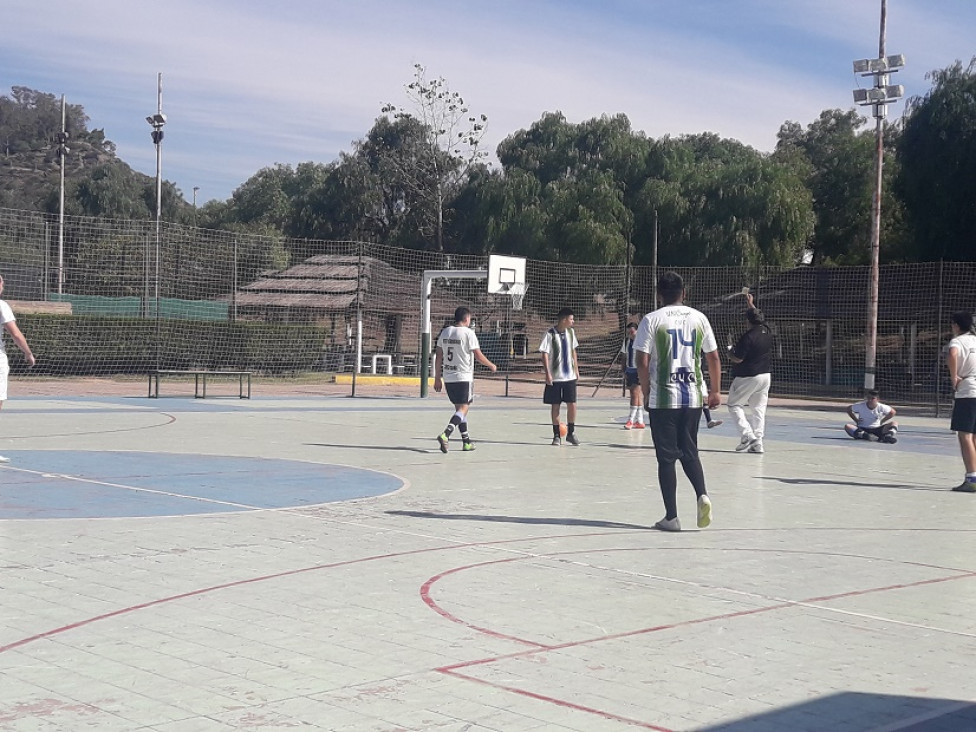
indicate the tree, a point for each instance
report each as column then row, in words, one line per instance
column 937, row 156
column 434, row 171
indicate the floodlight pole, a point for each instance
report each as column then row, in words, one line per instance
column 425, row 346
column 62, row 152
column 878, row 97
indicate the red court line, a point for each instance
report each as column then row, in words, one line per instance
column 558, row 702
column 277, row 575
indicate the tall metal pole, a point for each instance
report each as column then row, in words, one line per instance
column 159, row 179
column 654, row 264
column 871, row 350
column 62, row 151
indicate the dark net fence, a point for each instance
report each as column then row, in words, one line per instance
column 108, row 298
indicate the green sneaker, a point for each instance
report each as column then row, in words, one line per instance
column 442, row 441
column 965, row 487
column 467, row 446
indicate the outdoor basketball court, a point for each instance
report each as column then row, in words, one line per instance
column 317, row 563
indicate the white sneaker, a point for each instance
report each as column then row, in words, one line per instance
column 666, row 524
column 745, row 443
column 704, row 511
column 757, row 447
column 4, row 459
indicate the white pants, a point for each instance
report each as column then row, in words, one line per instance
column 4, row 373
column 749, row 392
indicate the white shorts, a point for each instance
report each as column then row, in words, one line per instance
column 4, row 373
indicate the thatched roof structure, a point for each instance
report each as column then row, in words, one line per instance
column 333, row 283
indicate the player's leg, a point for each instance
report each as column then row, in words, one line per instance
column 964, row 425
column 4, row 373
column 853, row 431
column 664, row 430
column 457, row 393
column 569, row 396
column 737, row 402
column 554, row 414
column 462, row 409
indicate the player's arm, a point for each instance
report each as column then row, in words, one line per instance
column 438, row 368
column 952, row 360
column 545, row 366
column 890, row 415
column 18, row 338
column 643, row 360
column 853, row 415
column 483, row 360
column 576, row 363
column 714, row 379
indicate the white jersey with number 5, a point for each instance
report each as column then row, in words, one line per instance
column 675, row 337
column 458, row 344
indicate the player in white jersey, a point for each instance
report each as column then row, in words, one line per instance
column 9, row 325
column 872, row 418
column 671, row 343
column 457, row 350
column 961, row 359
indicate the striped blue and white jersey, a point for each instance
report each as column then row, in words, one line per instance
column 675, row 337
column 561, row 348
column 628, row 350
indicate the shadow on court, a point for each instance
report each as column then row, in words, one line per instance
column 534, row 520
column 851, row 483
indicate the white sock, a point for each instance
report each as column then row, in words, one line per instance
column 634, row 414
column 971, row 477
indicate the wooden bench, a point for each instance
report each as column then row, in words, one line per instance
column 200, row 381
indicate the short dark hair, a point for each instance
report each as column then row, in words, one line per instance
column 755, row 316
column 461, row 313
column 872, row 392
column 564, row 313
column 630, row 325
column 963, row 319
column 670, row 286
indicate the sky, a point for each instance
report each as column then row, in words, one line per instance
column 249, row 84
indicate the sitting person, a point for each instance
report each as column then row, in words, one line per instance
column 871, row 417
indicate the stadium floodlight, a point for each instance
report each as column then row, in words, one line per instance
column 879, row 95
column 869, row 66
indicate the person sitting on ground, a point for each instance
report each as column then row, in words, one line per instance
column 872, row 419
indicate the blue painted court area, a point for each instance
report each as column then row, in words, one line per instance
column 79, row 484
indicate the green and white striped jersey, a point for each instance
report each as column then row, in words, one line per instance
column 675, row 337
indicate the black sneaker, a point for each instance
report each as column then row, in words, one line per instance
column 442, row 441
column 890, row 439
column 572, row 439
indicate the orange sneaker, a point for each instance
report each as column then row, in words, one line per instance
column 638, row 425
column 629, row 425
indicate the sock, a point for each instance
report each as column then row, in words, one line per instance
column 971, row 477
column 555, row 430
column 455, row 420
column 570, row 428
column 635, row 414
column 464, row 432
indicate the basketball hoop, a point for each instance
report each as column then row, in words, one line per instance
column 517, row 291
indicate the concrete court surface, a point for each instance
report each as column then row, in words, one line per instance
column 181, row 565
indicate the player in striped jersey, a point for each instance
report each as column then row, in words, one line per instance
column 635, row 418
column 558, row 350
column 671, row 343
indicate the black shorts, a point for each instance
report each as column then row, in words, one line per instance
column 560, row 391
column 460, row 392
column 631, row 379
column 964, row 416
column 675, row 433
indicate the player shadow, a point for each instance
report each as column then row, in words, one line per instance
column 853, row 483
column 589, row 523
column 399, row 448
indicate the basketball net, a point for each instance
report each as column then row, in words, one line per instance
column 517, row 291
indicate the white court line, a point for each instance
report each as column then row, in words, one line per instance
column 79, row 479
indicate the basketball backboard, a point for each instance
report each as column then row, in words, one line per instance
column 503, row 272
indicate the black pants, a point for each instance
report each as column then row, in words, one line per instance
column 675, row 433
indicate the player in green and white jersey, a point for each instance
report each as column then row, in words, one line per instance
column 672, row 342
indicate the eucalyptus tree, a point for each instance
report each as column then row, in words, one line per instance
column 937, row 153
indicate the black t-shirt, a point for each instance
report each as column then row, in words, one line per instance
column 755, row 348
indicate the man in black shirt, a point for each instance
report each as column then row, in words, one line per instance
column 752, row 362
